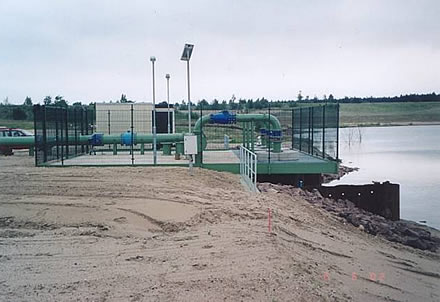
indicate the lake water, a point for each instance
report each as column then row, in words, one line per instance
column 407, row 155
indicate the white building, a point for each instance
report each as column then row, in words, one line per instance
column 116, row 118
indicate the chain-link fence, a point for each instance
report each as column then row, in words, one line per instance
column 312, row 130
column 126, row 130
column 59, row 132
column 315, row 130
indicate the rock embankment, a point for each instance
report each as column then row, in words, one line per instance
column 402, row 231
column 343, row 170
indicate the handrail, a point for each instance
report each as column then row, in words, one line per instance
column 248, row 168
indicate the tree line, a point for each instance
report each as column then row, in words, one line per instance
column 262, row 103
column 24, row 111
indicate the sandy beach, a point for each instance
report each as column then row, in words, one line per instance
column 159, row 234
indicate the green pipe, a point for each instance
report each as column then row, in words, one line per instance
column 25, row 141
column 254, row 117
column 144, row 138
column 263, row 117
column 19, row 141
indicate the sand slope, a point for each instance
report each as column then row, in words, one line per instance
column 158, row 234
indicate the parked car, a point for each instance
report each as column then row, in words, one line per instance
column 12, row 132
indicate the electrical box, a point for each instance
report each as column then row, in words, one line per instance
column 190, row 144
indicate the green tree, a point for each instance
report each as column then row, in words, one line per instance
column 241, row 104
column 60, row 101
column 300, row 97
column 124, row 99
column 47, row 100
column 215, row 105
column 203, row 104
column 28, row 101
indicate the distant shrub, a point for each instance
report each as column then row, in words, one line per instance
column 19, row 114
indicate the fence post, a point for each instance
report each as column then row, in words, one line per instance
column 293, row 128
column 309, row 134
column 36, row 111
column 62, row 134
column 313, row 129
column 44, row 136
column 270, row 142
column 82, row 127
column 86, row 124
column 252, row 136
column 108, row 121
column 337, row 130
column 243, row 139
column 300, row 129
column 323, row 131
column 57, row 139
column 201, row 136
column 75, row 123
column 66, row 121
column 132, row 136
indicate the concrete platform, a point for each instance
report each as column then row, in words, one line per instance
column 286, row 162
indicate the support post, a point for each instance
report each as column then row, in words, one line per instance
column 36, row 111
column 76, row 130
column 154, row 119
column 86, row 126
column 252, row 137
column 44, row 136
column 62, row 116
column 300, row 129
column 57, row 138
column 108, row 124
column 293, row 128
column 313, row 129
column 270, row 142
column 337, row 131
column 66, row 123
column 323, row 131
column 309, row 134
column 189, row 97
column 132, row 136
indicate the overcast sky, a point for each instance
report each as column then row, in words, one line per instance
column 97, row 50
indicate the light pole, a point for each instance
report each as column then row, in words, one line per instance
column 168, row 100
column 187, row 51
column 153, row 59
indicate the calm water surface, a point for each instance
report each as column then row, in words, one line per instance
column 408, row 155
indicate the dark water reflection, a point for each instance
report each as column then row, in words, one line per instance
column 408, row 155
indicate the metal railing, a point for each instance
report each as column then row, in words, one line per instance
column 248, row 168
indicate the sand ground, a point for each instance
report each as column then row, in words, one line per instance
column 158, row 234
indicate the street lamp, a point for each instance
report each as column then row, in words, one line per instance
column 187, row 51
column 168, row 100
column 153, row 59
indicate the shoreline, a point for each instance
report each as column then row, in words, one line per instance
column 417, row 230
column 388, row 124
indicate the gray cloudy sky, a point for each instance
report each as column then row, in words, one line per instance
column 96, row 50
